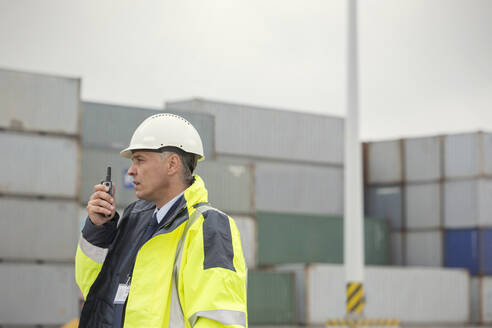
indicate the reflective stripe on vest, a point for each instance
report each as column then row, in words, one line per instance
column 176, row 315
column 95, row 253
column 176, row 319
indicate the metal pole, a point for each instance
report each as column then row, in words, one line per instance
column 353, row 217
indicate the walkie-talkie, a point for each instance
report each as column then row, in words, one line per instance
column 108, row 183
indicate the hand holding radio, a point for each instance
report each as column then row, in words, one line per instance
column 102, row 205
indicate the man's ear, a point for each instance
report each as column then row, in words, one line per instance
column 174, row 164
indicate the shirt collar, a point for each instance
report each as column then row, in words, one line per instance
column 161, row 213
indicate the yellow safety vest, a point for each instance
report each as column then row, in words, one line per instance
column 181, row 278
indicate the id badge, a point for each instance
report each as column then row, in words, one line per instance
column 122, row 294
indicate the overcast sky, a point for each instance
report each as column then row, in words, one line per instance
column 425, row 64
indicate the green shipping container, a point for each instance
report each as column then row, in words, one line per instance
column 296, row 238
column 271, row 297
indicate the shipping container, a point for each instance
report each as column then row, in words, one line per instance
column 385, row 203
column 415, row 296
column 278, row 183
column 271, row 297
column 424, row 248
column 247, row 229
column 481, row 300
column 468, row 203
column 475, row 300
column 397, row 248
column 470, row 249
column 486, row 300
column 486, row 251
column 461, row 249
column 33, row 229
column 468, row 155
column 39, row 103
column 384, row 162
column 294, row 238
column 230, row 186
column 112, row 126
column 37, row 294
column 423, row 206
column 297, row 188
column 423, row 159
column 272, row 134
column 38, row 165
column 299, row 270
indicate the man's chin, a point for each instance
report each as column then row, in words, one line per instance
column 140, row 195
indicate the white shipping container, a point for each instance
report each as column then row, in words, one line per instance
column 475, row 300
column 486, row 299
column 247, row 228
column 39, row 165
column 424, row 248
column 468, row 155
column 35, row 102
column 38, row 229
column 229, row 185
column 277, row 134
column 384, row 162
column 415, row 296
column 487, row 153
column 468, row 203
column 423, row 206
column 397, row 247
column 297, row 188
column 422, row 159
column 38, row 294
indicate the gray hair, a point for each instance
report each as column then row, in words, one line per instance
column 188, row 162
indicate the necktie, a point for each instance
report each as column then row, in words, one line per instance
column 153, row 222
column 151, row 228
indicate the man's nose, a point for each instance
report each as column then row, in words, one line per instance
column 132, row 171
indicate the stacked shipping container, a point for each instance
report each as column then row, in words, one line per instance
column 439, row 203
column 468, row 214
column 281, row 178
column 415, row 296
column 238, row 182
column 39, row 195
column 403, row 186
column 297, row 165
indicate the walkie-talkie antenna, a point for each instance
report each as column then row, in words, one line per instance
column 108, row 174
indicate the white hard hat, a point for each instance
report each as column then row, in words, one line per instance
column 164, row 130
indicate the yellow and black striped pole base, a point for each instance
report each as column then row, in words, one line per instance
column 355, row 311
column 363, row 323
column 355, row 298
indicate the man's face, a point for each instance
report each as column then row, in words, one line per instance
column 150, row 175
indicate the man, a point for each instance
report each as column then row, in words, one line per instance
column 171, row 260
